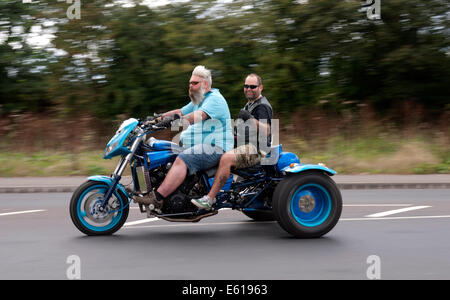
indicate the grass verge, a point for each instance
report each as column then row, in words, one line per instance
column 380, row 155
column 54, row 164
column 375, row 155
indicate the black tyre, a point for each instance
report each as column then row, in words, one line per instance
column 88, row 218
column 307, row 205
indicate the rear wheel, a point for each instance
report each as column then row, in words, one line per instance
column 86, row 212
column 307, row 205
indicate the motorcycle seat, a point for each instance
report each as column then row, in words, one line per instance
column 273, row 155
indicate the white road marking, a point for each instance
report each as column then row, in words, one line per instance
column 395, row 211
column 374, row 205
column 250, row 222
column 377, row 216
column 21, row 212
column 138, row 222
column 395, row 218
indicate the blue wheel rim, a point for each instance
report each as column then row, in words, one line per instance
column 315, row 214
column 82, row 213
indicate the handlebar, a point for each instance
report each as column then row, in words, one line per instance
column 156, row 122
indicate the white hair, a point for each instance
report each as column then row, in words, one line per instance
column 204, row 73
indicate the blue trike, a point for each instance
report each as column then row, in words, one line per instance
column 302, row 198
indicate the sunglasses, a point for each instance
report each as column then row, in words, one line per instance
column 194, row 82
column 246, row 86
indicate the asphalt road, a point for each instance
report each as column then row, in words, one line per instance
column 382, row 234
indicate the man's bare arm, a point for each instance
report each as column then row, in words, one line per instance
column 172, row 112
column 196, row 116
column 264, row 126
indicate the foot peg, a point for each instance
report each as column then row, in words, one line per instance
column 149, row 209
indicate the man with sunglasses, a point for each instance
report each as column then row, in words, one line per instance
column 256, row 116
column 208, row 135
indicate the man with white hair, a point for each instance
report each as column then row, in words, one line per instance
column 208, row 136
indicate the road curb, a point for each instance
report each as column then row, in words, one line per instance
column 33, row 189
column 342, row 186
column 374, row 186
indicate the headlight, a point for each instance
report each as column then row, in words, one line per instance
column 110, row 148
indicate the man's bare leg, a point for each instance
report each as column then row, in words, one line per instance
column 174, row 178
column 227, row 161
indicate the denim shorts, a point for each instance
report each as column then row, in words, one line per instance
column 201, row 157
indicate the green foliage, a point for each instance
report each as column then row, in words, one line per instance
column 22, row 68
column 138, row 60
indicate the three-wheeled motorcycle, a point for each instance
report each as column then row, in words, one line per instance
column 302, row 198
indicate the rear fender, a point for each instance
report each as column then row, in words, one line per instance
column 109, row 182
column 298, row 168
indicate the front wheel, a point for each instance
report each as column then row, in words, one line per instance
column 87, row 215
column 307, row 205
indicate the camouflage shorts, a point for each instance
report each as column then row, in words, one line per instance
column 246, row 156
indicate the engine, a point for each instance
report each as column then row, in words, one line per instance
column 179, row 201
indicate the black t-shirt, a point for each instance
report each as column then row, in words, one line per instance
column 262, row 112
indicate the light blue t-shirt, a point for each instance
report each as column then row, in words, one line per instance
column 216, row 130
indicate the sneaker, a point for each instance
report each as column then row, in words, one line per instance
column 204, row 202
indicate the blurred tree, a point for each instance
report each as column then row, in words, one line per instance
column 151, row 60
column 80, row 75
column 329, row 52
column 132, row 59
column 299, row 41
column 22, row 68
column 229, row 42
column 403, row 56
